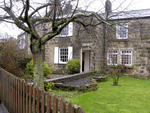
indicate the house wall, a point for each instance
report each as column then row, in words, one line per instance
column 79, row 38
column 138, row 41
column 91, row 36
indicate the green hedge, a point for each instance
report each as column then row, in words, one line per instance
column 73, row 66
column 29, row 69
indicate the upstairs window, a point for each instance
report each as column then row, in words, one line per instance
column 112, row 57
column 67, row 31
column 122, row 30
column 126, row 57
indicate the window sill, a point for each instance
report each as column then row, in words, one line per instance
column 62, row 36
column 120, row 40
column 127, row 67
column 61, row 63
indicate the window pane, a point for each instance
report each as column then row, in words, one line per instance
column 126, row 57
column 122, row 30
column 112, row 57
column 63, row 54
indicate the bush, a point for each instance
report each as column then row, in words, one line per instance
column 23, row 62
column 29, row 69
column 48, row 86
column 58, row 71
column 73, row 66
column 100, row 72
column 10, row 54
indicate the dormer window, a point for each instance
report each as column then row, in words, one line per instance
column 67, row 31
column 122, row 31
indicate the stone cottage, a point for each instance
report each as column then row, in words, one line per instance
column 125, row 42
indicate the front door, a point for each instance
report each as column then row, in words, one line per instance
column 85, row 61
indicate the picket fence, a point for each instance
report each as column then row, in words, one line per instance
column 20, row 97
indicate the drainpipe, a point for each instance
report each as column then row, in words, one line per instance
column 104, row 46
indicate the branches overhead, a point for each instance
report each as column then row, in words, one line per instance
column 59, row 13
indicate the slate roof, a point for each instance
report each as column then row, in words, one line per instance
column 130, row 14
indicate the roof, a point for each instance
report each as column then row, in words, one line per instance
column 130, row 14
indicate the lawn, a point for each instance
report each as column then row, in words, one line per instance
column 133, row 96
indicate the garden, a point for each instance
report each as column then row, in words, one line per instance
column 132, row 96
column 117, row 95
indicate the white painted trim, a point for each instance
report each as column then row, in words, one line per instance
column 70, row 52
column 121, row 25
column 56, row 58
column 70, row 29
column 81, row 60
column 109, row 58
column 126, row 54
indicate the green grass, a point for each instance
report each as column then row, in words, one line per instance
column 133, row 96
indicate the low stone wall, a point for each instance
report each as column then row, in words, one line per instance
column 70, row 77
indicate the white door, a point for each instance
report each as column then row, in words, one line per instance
column 86, row 61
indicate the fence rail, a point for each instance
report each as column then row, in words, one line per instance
column 20, row 97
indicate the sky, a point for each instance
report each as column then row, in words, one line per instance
column 97, row 6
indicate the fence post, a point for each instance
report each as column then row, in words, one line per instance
column 0, row 86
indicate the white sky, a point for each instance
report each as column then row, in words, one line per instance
column 95, row 6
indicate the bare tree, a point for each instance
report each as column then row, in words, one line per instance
column 28, row 16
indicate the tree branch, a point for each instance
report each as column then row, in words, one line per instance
column 39, row 9
column 54, row 17
column 26, row 11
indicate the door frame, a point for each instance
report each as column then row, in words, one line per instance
column 81, row 51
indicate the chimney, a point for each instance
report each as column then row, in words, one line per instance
column 108, row 7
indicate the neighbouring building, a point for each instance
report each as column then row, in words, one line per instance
column 126, row 42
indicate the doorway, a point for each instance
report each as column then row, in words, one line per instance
column 85, row 61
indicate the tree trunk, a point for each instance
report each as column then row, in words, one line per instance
column 38, row 69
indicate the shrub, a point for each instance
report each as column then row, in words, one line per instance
column 48, row 86
column 29, row 69
column 58, row 71
column 100, row 72
column 23, row 62
column 10, row 54
column 73, row 66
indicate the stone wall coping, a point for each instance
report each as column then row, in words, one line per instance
column 67, row 77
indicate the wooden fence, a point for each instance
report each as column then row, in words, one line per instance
column 20, row 97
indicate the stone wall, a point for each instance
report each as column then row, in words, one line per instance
column 93, row 36
column 70, row 77
column 138, row 41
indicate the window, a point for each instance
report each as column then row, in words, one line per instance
column 122, row 30
column 112, row 57
column 126, row 57
column 62, row 54
column 67, row 31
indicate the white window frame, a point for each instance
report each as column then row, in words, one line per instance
column 109, row 59
column 70, row 30
column 57, row 55
column 61, row 62
column 127, row 53
column 124, row 26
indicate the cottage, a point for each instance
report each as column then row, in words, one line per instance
column 126, row 42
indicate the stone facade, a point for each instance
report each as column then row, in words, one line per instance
column 81, row 39
column 92, row 43
column 138, row 42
